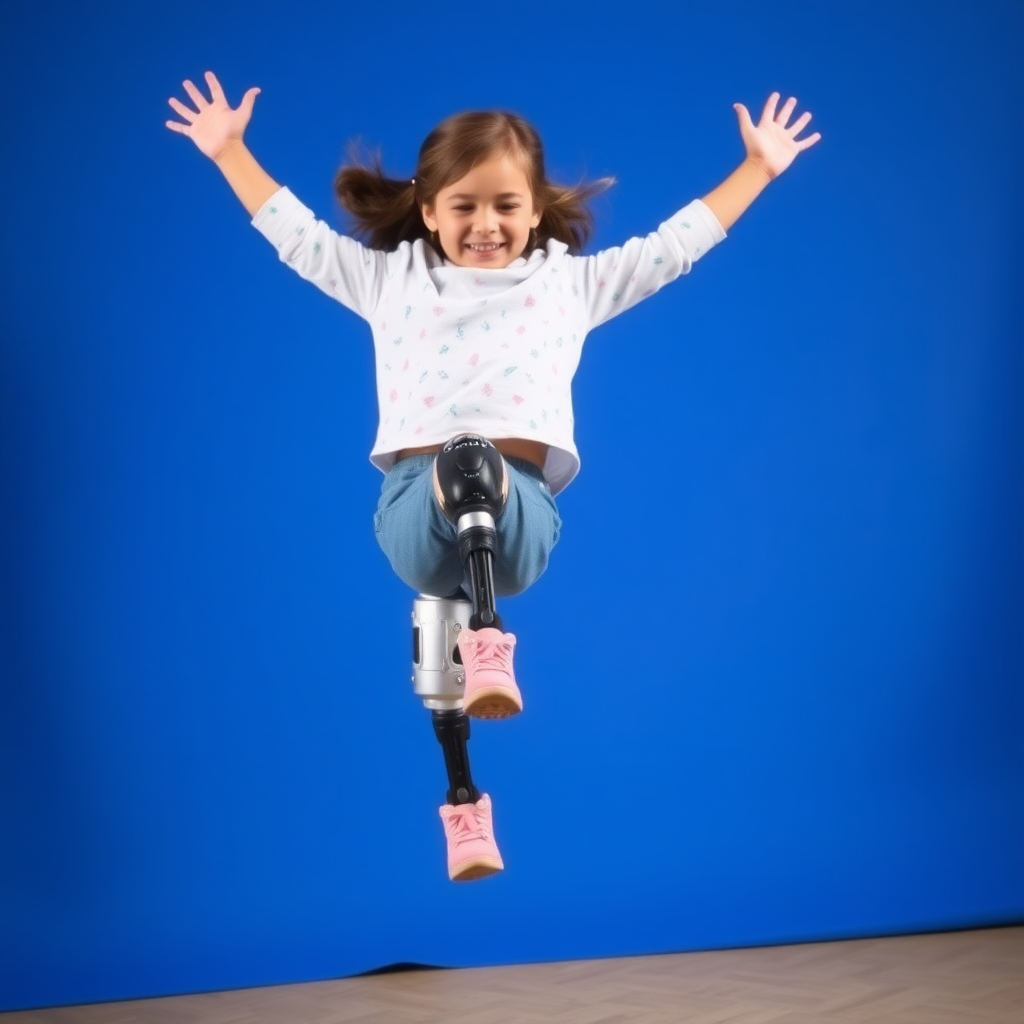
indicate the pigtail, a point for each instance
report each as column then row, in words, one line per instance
column 565, row 215
column 384, row 210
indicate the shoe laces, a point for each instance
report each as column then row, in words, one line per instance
column 466, row 823
column 494, row 654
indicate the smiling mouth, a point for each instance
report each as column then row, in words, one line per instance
column 484, row 246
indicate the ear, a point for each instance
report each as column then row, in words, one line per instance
column 535, row 219
column 427, row 211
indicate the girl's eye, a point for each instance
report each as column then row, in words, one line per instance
column 505, row 207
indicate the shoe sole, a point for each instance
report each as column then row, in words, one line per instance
column 492, row 702
column 479, row 867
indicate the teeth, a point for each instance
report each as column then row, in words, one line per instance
column 488, row 247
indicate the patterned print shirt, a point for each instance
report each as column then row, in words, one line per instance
column 490, row 352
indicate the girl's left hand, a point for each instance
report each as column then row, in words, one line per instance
column 770, row 143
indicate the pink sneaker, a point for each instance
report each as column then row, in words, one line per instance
column 472, row 852
column 491, row 690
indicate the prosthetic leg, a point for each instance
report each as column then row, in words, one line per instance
column 456, row 638
column 439, row 680
column 470, row 483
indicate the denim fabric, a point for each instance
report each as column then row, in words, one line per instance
column 420, row 543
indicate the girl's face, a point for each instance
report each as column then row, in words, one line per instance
column 483, row 220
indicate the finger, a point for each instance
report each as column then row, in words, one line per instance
column 216, row 92
column 195, row 95
column 808, row 142
column 800, row 123
column 248, row 100
column 177, row 126
column 744, row 116
column 768, row 114
column 180, row 109
column 786, row 111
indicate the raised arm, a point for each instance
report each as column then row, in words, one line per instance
column 771, row 145
column 217, row 131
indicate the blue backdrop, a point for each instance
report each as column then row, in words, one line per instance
column 777, row 700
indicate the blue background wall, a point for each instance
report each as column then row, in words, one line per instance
column 784, row 705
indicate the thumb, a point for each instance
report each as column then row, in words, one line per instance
column 248, row 100
column 744, row 116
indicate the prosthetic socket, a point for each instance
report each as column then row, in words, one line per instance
column 470, row 476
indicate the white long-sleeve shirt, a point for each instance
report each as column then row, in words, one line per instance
column 490, row 352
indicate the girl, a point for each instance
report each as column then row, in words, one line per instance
column 479, row 303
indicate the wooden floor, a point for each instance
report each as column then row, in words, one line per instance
column 970, row 977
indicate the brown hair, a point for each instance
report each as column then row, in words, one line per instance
column 386, row 211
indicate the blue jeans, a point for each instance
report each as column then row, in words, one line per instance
column 421, row 544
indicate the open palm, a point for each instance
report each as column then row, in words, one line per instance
column 773, row 142
column 213, row 125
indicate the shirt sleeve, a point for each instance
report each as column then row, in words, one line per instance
column 613, row 280
column 338, row 265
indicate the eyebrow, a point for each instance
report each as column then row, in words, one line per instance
column 504, row 195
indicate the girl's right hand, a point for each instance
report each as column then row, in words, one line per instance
column 213, row 126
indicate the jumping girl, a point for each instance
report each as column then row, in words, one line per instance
column 473, row 285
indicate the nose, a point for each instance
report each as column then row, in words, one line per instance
column 486, row 220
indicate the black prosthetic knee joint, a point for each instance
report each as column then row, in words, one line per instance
column 470, row 474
